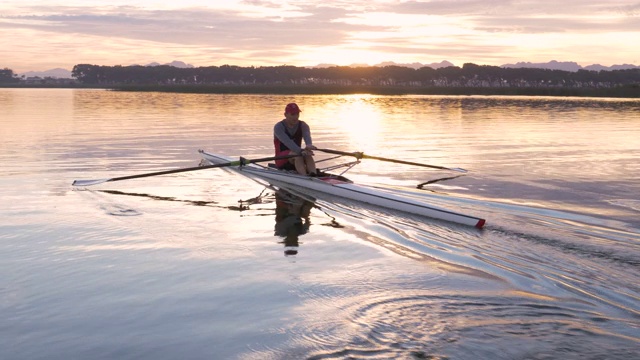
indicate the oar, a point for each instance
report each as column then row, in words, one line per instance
column 242, row 161
column 360, row 155
column 420, row 186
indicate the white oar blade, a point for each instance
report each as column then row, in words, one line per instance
column 459, row 170
column 89, row 182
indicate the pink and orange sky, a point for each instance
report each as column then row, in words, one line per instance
column 40, row 35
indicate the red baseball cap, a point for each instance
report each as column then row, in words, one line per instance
column 292, row 108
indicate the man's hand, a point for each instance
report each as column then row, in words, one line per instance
column 308, row 150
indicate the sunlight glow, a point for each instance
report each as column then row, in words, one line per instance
column 361, row 121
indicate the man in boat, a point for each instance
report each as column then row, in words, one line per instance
column 287, row 138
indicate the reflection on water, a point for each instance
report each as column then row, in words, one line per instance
column 166, row 198
column 292, row 212
column 439, row 180
column 292, row 219
column 191, row 264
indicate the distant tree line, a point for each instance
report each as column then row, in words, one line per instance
column 470, row 79
column 7, row 76
column 469, row 75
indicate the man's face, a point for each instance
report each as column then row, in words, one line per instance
column 292, row 117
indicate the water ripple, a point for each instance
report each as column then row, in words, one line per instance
column 427, row 325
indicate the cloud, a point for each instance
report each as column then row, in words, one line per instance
column 209, row 27
column 310, row 32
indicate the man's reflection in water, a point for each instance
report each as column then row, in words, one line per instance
column 292, row 219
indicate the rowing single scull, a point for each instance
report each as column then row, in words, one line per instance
column 342, row 187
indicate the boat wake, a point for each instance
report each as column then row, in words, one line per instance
column 563, row 279
column 628, row 203
column 546, row 286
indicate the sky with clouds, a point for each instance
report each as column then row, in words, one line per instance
column 45, row 34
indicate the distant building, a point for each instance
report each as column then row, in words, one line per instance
column 37, row 80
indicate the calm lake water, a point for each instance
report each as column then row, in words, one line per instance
column 175, row 267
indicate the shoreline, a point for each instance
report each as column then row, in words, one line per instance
column 615, row 92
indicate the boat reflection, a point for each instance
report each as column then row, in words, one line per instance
column 292, row 212
column 242, row 204
column 292, row 219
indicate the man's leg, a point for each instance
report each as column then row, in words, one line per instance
column 311, row 163
column 301, row 168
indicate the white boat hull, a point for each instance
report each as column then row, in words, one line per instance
column 346, row 190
